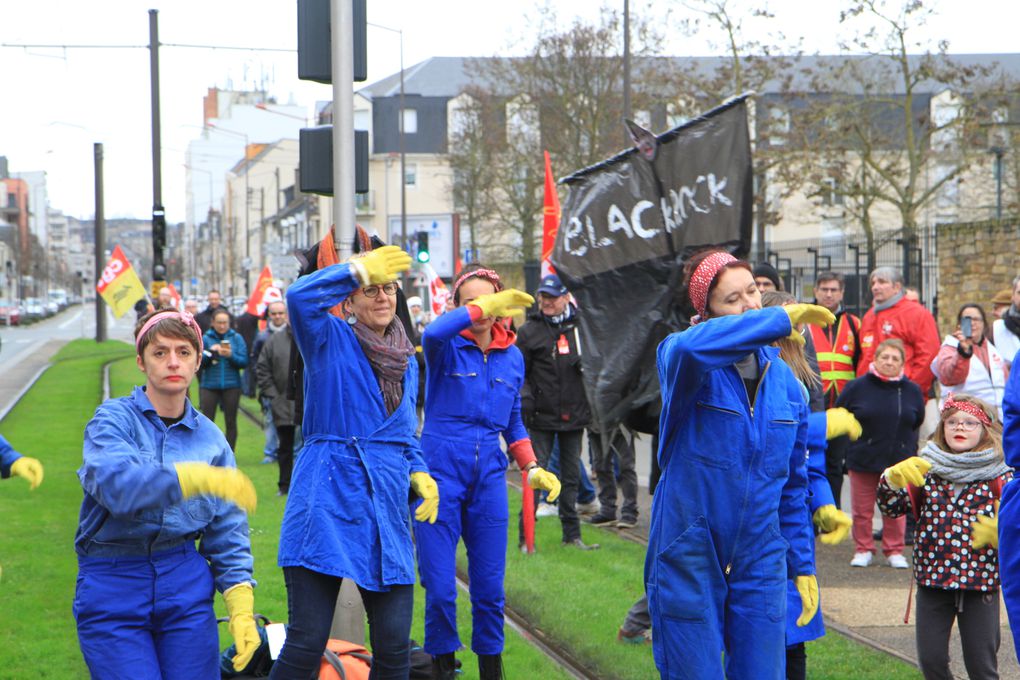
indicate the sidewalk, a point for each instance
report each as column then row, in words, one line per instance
column 868, row 604
column 16, row 378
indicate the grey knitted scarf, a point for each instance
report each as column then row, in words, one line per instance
column 971, row 466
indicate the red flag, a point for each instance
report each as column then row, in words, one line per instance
column 264, row 293
column 550, row 217
column 175, row 297
column 438, row 292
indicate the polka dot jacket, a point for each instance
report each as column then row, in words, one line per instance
column 943, row 555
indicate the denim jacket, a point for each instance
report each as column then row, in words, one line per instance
column 133, row 503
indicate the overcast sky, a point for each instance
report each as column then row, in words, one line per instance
column 56, row 103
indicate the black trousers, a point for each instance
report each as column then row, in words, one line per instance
column 977, row 615
column 622, row 449
column 796, row 662
column 285, row 455
column 570, row 475
column 227, row 400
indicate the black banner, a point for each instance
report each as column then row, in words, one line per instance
column 627, row 226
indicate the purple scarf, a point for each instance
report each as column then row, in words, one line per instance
column 388, row 356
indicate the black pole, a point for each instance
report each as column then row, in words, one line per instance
column 626, row 61
column 998, row 184
column 158, row 214
column 100, row 239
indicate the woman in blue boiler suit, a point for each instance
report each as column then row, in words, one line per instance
column 728, row 518
column 472, row 397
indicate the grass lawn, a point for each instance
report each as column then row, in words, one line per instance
column 576, row 598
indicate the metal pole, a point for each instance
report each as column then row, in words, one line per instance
column 342, row 21
column 403, row 161
column 626, row 60
column 100, row 238
column 998, row 184
column 349, row 615
column 158, row 219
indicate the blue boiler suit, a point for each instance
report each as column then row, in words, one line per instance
column 471, row 398
column 7, row 457
column 144, row 597
column 347, row 513
column 819, row 494
column 1009, row 507
column 728, row 518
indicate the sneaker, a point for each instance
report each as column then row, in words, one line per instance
column 268, row 459
column 862, row 559
column 601, row 520
column 642, row 638
column 627, row 523
column 898, row 562
column 581, row 545
column 588, row 508
column 547, row 510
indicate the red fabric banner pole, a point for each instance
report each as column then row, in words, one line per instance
column 528, row 512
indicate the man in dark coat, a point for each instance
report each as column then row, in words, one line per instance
column 553, row 402
column 273, row 375
column 204, row 318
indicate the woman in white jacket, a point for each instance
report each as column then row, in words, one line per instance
column 971, row 364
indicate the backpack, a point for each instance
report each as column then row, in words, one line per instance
column 260, row 663
column 344, row 660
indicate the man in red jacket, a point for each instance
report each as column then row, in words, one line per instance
column 894, row 316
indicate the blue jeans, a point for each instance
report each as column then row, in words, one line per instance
column 585, row 489
column 269, row 429
column 311, row 599
column 147, row 617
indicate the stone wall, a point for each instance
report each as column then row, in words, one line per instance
column 976, row 260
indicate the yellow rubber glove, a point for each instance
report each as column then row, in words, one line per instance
column 426, row 488
column 910, row 471
column 230, row 484
column 544, row 480
column 833, row 523
column 503, row 303
column 807, row 586
column 381, row 265
column 805, row 313
column 839, row 421
column 240, row 601
column 985, row 531
column 29, row 468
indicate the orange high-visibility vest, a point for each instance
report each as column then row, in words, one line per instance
column 836, row 359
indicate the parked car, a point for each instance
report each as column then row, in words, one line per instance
column 51, row 307
column 10, row 315
column 34, row 309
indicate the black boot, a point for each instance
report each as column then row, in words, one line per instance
column 490, row 667
column 444, row 667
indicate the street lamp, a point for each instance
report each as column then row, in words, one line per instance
column 403, row 155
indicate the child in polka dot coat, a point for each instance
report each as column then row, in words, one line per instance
column 956, row 482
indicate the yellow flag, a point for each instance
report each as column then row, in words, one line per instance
column 119, row 285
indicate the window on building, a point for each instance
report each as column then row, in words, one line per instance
column 410, row 174
column 778, row 126
column 409, row 119
column 830, row 195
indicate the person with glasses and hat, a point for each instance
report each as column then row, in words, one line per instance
column 347, row 513
column 475, row 374
column 728, row 526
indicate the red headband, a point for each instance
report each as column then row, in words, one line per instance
column 186, row 317
column 967, row 407
column 702, row 279
column 489, row 275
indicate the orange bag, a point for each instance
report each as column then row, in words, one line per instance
column 344, row 660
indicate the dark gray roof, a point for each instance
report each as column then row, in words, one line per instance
column 448, row 76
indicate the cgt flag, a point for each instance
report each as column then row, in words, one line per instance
column 628, row 225
column 119, row 284
column 550, row 217
column 438, row 292
column 265, row 292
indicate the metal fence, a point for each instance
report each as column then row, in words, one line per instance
column 800, row 261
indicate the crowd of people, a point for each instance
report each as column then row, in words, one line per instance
column 767, row 403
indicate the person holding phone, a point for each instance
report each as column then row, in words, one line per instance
column 969, row 363
column 225, row 355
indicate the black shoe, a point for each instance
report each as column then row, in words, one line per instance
column 601, row 520
column 581, row 545
column 490, row 667
column 627, row 523
column 444, row 667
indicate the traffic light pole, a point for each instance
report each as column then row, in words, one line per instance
column 158, row 214
column 342, row 20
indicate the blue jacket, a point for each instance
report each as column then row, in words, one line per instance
column 347, row 513
column 7, row 457
column 133, row 504
column 819, row 494
column 1009, row 509
column 219, row 373
column 471, row 396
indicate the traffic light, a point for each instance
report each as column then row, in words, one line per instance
column 315, row 63
column 423, row 247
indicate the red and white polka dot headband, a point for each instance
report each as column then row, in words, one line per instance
column 185, row 317
column 968, row 407
column 702, row 279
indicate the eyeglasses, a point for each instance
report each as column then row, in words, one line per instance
column 373, row 291
column 967, row 424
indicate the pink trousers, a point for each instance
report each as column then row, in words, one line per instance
column 863, row 491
